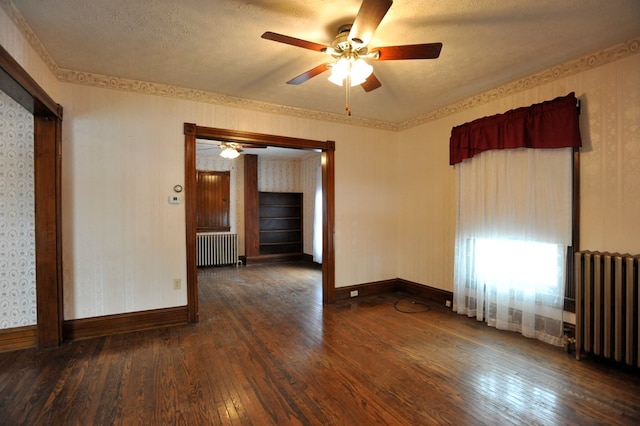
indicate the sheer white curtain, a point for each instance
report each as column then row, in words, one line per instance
column 514, row 227
column 317, row 216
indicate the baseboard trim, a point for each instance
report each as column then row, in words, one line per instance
column 86, row 328
column 397, row 284
column 12, row 339
column 424, row 291
column 368, row 289
column 269, row 258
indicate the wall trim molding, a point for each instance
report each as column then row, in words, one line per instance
column 585, row 63
column 367, row 289
column 593, row 60
column 424, row 291
column 390, row 286
column 15, row 338
column 106, row 325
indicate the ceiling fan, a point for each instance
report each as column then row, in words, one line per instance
column 231, row 150
column 349, row 50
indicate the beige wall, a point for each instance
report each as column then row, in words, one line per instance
column 124, row 244
column 610, row 170
column 395, row 192
column 14, row 42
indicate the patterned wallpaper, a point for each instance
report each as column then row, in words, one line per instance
column 309, row 174
column 17, row 228
column 279, row 175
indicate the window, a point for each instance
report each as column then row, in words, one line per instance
column 515, row 216
column 212, row 201
column 514, row 228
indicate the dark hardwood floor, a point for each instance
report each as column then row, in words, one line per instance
column 267, row 352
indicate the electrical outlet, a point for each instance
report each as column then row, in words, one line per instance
column 354, row 293
column 177, row 283
column 447, row 303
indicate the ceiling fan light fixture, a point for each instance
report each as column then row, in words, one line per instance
column 360, row 71
column 357, row 69
column 229, row 152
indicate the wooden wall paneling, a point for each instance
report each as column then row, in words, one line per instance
column 212, row 200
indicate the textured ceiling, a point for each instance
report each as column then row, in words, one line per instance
column 215, row 45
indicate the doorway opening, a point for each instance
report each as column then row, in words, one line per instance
column 47, row 136
column 193, row 132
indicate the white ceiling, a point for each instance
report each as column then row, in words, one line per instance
column 215, row 45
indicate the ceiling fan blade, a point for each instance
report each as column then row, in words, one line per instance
column 371, row 83
column 309, row 74
column 410, row 51
column 250, row 146
column 293, row 41
column 367, row 20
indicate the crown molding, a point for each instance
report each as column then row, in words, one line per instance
column 582, row 64
column 156, row 89
column 557, row 72
column 28, row 33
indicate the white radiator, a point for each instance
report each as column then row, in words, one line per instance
column 607, row 299
column 215, row 249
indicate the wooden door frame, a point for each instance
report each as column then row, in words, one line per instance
column 193, row 132
column 47, row 117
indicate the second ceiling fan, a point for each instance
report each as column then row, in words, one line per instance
column 349, row 50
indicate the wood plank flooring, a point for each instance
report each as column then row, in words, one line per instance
column 267, row 352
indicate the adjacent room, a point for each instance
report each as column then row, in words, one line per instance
column 337, row 212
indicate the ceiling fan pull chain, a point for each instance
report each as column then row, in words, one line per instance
column 348, row 91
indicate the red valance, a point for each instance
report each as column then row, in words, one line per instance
column 550, row 124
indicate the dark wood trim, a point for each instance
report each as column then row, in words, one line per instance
column 570, row 286
column 368, row 289
column 18, row 84
column 251, row 220
column 86, row 328
column 49, row 286
column 570, row 290
column 191, row 223
column 59, row 300
column 424, row 291
column 328, row 220
column 12, row 339
column 271, row 258
column 193, row 131
column 238, row 136
column 397, row 284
